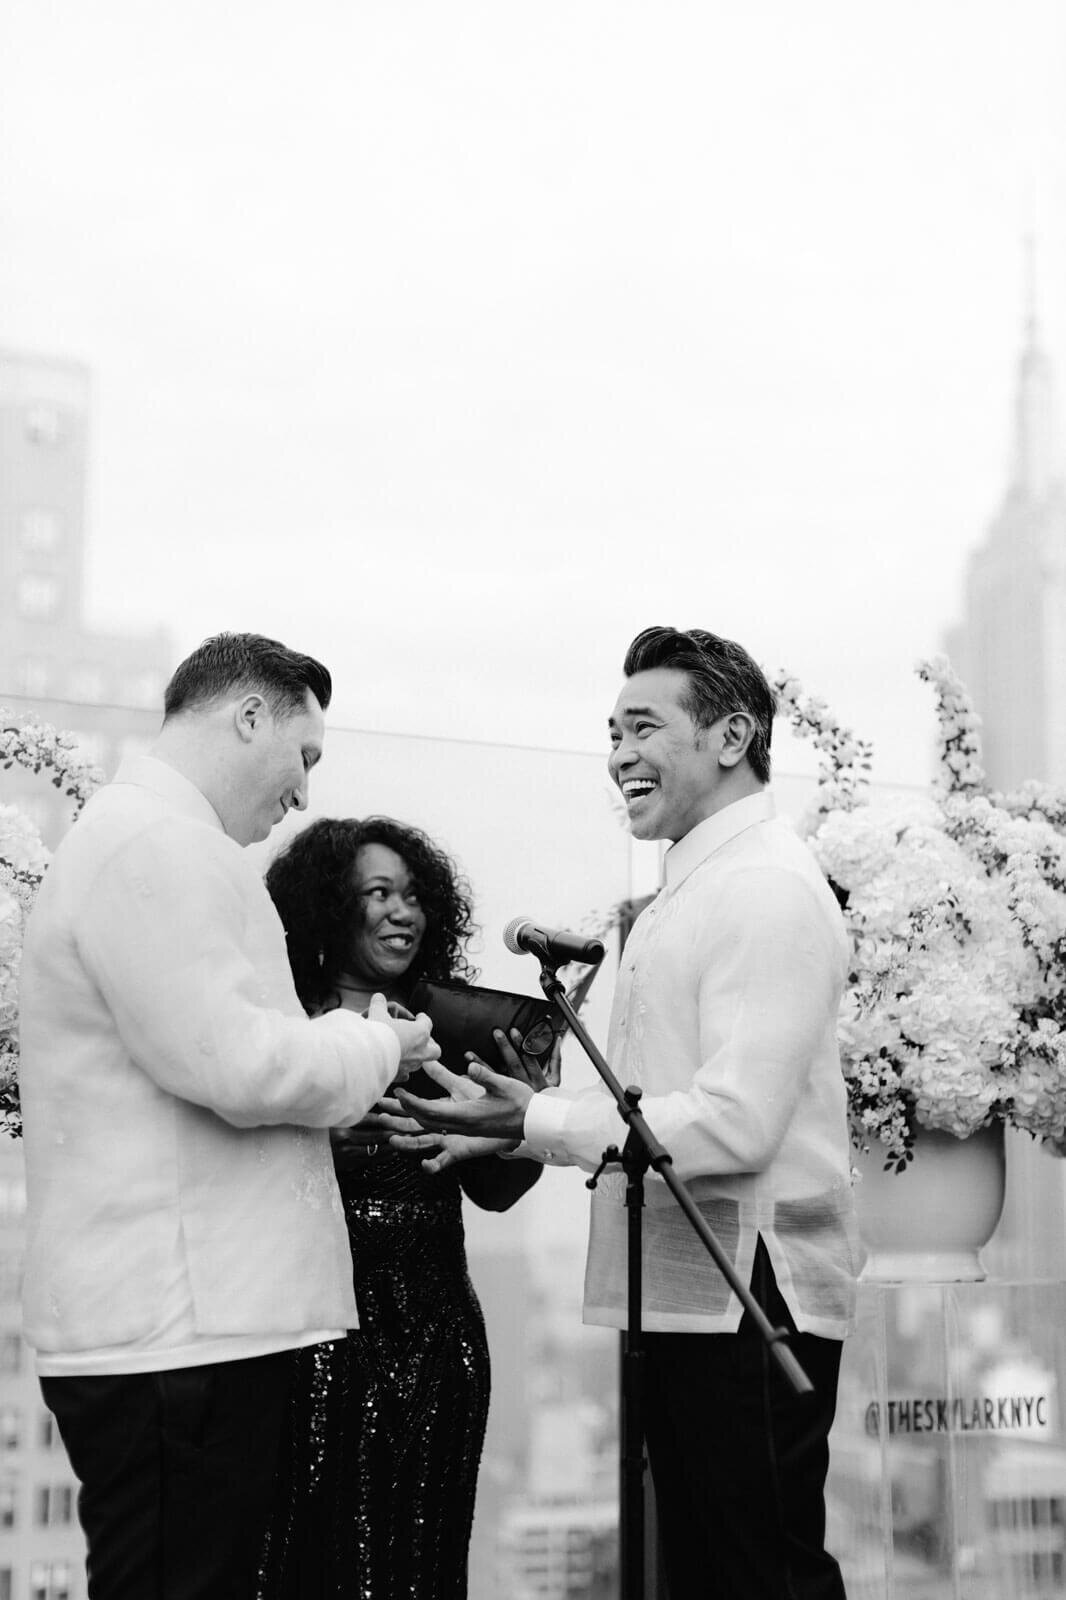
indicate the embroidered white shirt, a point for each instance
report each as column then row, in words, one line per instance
column 181, row 1198
column 725, row 1017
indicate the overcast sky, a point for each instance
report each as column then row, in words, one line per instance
column 456, row 342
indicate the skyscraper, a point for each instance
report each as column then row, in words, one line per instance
column 1010, row 651
column 50, row 658
column 1011, row 646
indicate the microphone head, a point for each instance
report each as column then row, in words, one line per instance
column 511, row 932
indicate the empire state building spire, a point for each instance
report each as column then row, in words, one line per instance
column 1034, row 408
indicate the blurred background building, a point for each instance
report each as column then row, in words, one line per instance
column 1010, row 647
column 1010, row 650
column 109, row 684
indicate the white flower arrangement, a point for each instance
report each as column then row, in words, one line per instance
column 37, row 747
column 955, row 1012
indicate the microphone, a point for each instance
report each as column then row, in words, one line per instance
column 553, row 946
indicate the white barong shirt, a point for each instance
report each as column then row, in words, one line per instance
column 725, row 1017
column 181, row 1201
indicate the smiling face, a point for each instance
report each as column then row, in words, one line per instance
column 389, row 920
column 670, row 772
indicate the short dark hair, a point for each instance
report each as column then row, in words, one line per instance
column 228, row 662
column 722, row 677
column 310, row 883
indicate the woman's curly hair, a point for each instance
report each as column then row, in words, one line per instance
column 311, row 883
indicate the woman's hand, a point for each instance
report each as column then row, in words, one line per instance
column 535, row 1071
column 443, row 1150
column 368, row 1136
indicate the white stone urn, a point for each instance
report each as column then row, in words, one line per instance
column 929, row 1223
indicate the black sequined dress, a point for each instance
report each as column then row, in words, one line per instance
column 386, row 1428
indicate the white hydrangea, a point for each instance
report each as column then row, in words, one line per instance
column 37, row 747
column 20, row 842
column 955, row 1011
column 11, row 921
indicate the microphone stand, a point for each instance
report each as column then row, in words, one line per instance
column 640, row 1151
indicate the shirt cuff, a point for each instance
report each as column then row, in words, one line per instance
column 543, row 1129
column 388, row 1044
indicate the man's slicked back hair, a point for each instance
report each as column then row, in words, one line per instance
column 722, row 678
column 246, row 663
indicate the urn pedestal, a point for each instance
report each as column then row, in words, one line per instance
column 929, row 1223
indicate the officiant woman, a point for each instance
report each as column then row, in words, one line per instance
column 376, row 1495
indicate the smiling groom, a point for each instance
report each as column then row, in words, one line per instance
column 185, row 1231
column 725, row 1015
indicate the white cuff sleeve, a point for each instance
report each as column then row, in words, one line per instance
column 545, row 1121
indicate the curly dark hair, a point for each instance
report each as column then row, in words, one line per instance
column 310, row 883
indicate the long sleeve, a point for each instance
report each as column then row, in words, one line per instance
column 763, row 981
column 724, row 1016
column 189, row 957
column 175, row 1096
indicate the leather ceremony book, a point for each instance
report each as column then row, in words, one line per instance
column 464, row 1016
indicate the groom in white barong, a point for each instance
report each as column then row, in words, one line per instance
column 185, row 1232
column 725, row 1016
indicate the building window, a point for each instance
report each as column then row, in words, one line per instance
column 53, row 1505
column 10, row 1274
column 10, row 1351
column 10, row 1427
column 50, row 1580
column 44, row 423
column 38, row 597
column 7, row 1583
column 8, row 1502
column 48, row 1432
column 39, row 529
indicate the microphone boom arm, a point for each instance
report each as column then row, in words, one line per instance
column 661, row 1161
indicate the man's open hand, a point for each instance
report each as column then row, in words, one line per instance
column 496, row 1111
column 440, row 1150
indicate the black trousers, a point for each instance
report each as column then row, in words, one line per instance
column 738, row 1462
column 176, row 1472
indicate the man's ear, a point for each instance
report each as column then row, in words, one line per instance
column 248, row 712
column 737, row 736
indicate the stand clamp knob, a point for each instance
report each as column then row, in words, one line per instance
column 612, row 1157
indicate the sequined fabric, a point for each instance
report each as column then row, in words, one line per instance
column 385, row 1429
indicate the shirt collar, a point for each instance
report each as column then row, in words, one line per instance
column 148, row 772
column 713, row 832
